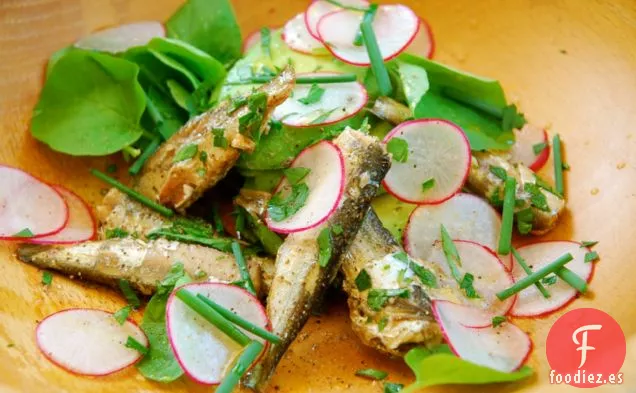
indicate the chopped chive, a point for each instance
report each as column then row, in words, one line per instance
column 131, row 151
column 573, row 279
column 266, row 38
column 122, row 314
column 535, row 276
column 301, row 80
column 129, row 294
column 589, row 243
column 132, row 343
column 451, row 254
column 377, row 62
column 528, row 271
column 212, row 316
column 237, row 320
column 372, row 373
column 245, row 273
column 47, row 278
column 505, row 236
column 591, row 256
column 243, row 363
column 558, row 165
column 145, row 155
column 428, row 184
column 368, row 15
column 132, row 193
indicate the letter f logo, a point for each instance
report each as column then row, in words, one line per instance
column 583, row 344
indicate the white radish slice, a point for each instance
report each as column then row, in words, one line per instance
column 423, row 44
column 339, row 101
column 123, row 37
column 523, row 149
column 490, row 276
column 465, row 217
column 254, row 38
column 438, row 150
column 204, row 352
column 28, row 203
column 395, row 28
column 298, row 38
column 88, row 342
column 319, row 8
column 326, row 186
column 504, row 348
column 81, row 224
column 530, row 302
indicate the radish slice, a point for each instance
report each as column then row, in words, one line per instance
column 319, row 8
column 465, row 216
column 123, row 37
column 395, row 28
column 298, row 38
column 28, row 203
column 204, row 352
column 326, row 186
column 530, row 302
column 523, row 149
column 437, row 150
column 252, row 39
column 339, row 101
column 80, row 227
column 87, row 341
column 423, row 44
column 490, row 276
column 504, row 348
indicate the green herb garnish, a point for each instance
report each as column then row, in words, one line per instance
column 300, row 80
column 451, row 254
column 426, row 276
column 498, row 320
column 549, row 280
column 243, row 363
column 245, row 273
column 528, row 271
column 363, row 280
column 377, row 298
column 136, row 345
column 47, row 278
column 428, row 184
column 530, row 279
column 117, row 232
column 279, row 207
column 558, row 165
column 372, row 373
column 375, row 56
column 467, row 285
column 122, row 314
column 512, row 118
column 505, row 236
column 392, row 387
column 589, row 243
column 382, row 323
column 313, row 96
column 368, row 15
column 525, row 219
column 128, row 293
column 572, row 279
column 323, row 116
column 295, row 175
column 499, row 172
column 398, row 148
column 539, row 148
column 591, row 256
column 266, row 39
column 325, row 247
column 337, row 229
column 219, row 138
column 148, row 151
column 24, row 233
column 537, row 199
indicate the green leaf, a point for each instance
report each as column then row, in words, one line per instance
column 168, row 61
column 441, row 367
column 399, row 148
column 325, row 247
column 512, row 118
column 122, row 314
column 295, row 175
column 363, row 280
column 451, row 254
column 186, row 152
column 426, row 276
column 280, row 207
column 180, row 95
column 414, row 82
column 499, row 172
column 428, row 184
column 467, row 285
column 524, row 219
column 378, row 298
column 549, row 280
column 382, row 323
column 91, row 104
column 589, row 243
column 539, row 148
column 132, row 343
column 219, row 138
column 47, row 278
column 537, row 198
column 498, row 320
column 116, row 233
column 337, row 229
column 313, row 96
column 210, row 25
column 591, row 256
column 25, row 233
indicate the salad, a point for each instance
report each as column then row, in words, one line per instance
column 329, row 154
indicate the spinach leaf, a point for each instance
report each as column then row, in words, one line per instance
column 441, row 367
column 204, row 66
column 210, row 25
column 169, row 62
column 91, row 104
column 180, row 95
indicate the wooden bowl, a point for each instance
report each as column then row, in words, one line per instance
column 571, row 64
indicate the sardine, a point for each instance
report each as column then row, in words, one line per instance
column 484, row 183
column 299, row 281
column 143, row 263
column 177, row 181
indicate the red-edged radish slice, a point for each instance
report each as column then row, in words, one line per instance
column 204, row 352
column 504, row 348
column 123, row 37
column 465, row 216
column 438, row 150
column 80, row 227
column 319, row 8
column 326, row 186
column 530, row 302
column 298, row 38
column 28, row 203
column 395, row 28
column 339, row 101
column 523, row 149
column 252, row 39
column 88, row 341
column 424, row 43
column 490, row 276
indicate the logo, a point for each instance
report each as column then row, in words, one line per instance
column 586, row 348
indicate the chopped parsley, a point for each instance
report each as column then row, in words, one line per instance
column 399, row 148
column 591, row 256
column 378, row 298
column 363, row 281
column 280, row 207
column 116, row 233
column 498, row 320
column 322, row 117
column 136, row 345
column 539, row 148
column 26, row 232
column 186, row 152
column 537, row 199
column 428, row 184
column 382, row 324
column 452, row 256
column 549, row 280
column 467, row 285
column 392, row 387
column 295, row 175
column 122, row 314
column 47, row 278
column 203, row 156
column 589, row 243
column 402, row 279
column 499, row 172
column 313, row 96
column 219, row 138
column 325, row 247
column 524, row 220
column 495, row 198
column 337, row 229
column 250, row 123
column 372, row 373
column 425, row 275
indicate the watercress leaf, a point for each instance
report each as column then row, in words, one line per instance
column 210, row 25
column 441, row 367
column 313, row 95
column 168, row 61
column 91, row 104
column 180, row 95
column 204, row 66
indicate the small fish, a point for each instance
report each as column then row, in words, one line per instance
column 144, row 263
column 300, row 282
column 176, row 179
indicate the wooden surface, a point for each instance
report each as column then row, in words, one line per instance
column 571, row 64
